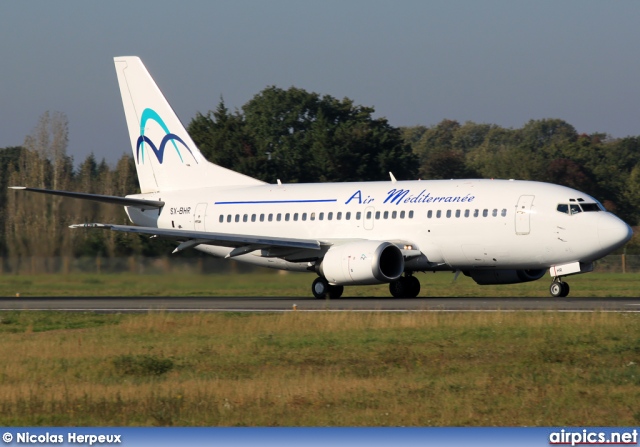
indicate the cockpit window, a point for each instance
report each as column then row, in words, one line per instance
column 586, row 207
column 575, row 208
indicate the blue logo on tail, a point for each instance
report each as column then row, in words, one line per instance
column 150, row 114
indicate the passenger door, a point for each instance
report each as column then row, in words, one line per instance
column 523, row 215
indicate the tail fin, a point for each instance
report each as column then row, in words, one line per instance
column 166, row 158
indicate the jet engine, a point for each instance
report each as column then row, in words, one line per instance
column 486, row 277
column 365, row 262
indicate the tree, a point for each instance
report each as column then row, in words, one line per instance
column 537, row 134
column 299, row 136
column 9, row 162
column 443, row 149
column 567, row 172
column 37, row 226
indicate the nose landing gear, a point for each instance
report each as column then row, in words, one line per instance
column 558, row 288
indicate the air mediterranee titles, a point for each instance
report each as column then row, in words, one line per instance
column 398, row 196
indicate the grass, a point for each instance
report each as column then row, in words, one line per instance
column 320, row 369
column 293, row 284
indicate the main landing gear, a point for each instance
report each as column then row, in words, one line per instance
column 559, row 289
column 407, row 286
column 321, row 288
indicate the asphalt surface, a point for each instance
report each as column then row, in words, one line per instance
column 259, row 304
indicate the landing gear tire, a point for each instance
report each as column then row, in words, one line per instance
column 405, row 287
column 559, row 289
column 397, row 288
column 413, row 286
column 320, row 288
column 335, row 292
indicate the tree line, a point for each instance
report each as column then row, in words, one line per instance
column 298, row 136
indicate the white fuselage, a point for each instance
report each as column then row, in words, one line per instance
column 456, row 224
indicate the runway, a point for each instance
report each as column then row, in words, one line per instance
column 275, row 304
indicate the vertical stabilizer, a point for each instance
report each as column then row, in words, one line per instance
column 165, row 156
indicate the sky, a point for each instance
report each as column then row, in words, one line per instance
column 416, row 62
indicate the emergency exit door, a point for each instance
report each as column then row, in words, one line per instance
column 198, row 218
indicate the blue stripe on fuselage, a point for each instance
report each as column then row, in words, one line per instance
column 270, row 202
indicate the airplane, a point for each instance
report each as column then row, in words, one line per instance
column 348, row 234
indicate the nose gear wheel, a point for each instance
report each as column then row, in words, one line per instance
column 559, row 289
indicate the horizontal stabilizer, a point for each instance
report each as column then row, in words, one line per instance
column 124, row 201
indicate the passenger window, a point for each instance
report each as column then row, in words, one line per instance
column 401, row 214
column 330, row 216
column 411, row 214
column 321, row 216
column 575, row 208
column 563, row 208
column 466, row 213
column 368, row 214
column 457, row 213
column 448, row 214
column 485, row 213
column 295, row 217
column 286, row 217
column 348, row 216
column 270, row 217
column 494, row 213
column 237, row 217
column 339, row 215
column 394, row 214
column 504, row 212
column 377, row 215
column 304, row 216
column 229, row 218
column 438, row 214
column 261, row 217
column 279, row 217
column 253, row 218
column 311, row 217
column 386, row 215
column 429, row 214
column 476, row 213
column 221, row 218
column 245, row 217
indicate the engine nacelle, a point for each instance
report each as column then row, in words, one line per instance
column 487, row 277
column 366, row 262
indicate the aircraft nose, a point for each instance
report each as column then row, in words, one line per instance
column 613, row 232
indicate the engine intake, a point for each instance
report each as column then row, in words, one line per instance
column 487, row 277
column 361, row 263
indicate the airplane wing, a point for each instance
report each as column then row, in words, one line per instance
column 124, row 201
column 241, row 243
